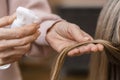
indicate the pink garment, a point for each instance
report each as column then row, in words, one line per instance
column 42, row 9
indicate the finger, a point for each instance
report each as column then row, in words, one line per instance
column 74, row 52
column 84, row 49
column 13, row 55
column 81, row 50
column 9, row 60
column 100, row 47
column 93, row 47
column 78, row 34
column 21, row 50
column 7, row 20
column 24, row 47
column 4, row 44
column 18, row 32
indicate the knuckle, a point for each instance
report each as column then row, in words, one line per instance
column 19, row 35
column 8, row 19
column 36, row 35
column 22, row 42
column 26, row 49
column 38, row 32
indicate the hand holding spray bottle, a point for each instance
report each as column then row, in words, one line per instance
column 24, row 17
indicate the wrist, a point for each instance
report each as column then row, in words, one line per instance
column 45, row 26
column 55, row 24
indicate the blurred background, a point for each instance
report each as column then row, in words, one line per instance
column 81, row 12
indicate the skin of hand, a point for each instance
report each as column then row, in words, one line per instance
column 64, row 34
column 15, row 42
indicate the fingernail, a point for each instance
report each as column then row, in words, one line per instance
column 70, row 54
column 86, row 38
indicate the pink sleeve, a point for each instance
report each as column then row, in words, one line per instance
column 42, row 9
column 31, row 4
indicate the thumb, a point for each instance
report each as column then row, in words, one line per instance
column 7, row 20
column 78, row 34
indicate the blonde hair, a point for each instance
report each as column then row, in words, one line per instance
column 107, row 29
